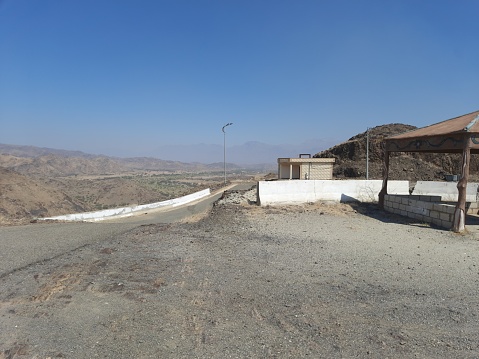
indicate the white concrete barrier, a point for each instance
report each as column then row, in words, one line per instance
column 304, row 191
column 130, row 211
column 447, row 190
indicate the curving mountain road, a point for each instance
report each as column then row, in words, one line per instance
column 23, row 245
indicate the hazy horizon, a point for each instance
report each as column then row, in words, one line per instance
column 251, row 152
column 124, row 77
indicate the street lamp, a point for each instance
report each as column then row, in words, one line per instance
column 224, row 147
column 367, row 154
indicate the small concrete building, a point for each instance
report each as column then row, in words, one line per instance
column 305, row 168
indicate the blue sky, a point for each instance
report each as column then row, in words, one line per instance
column 125, row 77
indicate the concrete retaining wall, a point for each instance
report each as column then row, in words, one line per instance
column 423, row 208
column 304, row 191
column 130, row 211
column 447, row 190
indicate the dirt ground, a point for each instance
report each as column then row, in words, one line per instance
column 317, row 281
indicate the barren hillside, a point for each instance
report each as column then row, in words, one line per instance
column 42, row 182
column 351, row 158
column 39, row 183
column 23, row 198
column 58, row 166
column 46, row 162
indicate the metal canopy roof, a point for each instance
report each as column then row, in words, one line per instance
column 445, row 136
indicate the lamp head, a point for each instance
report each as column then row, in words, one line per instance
column 228, row 124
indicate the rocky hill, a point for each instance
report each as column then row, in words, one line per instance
column 23, row 198
column 33, row 151
column 46, row 162
column 351, row 158
column 41, row 182
column 53, row 165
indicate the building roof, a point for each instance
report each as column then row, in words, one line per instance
column 463, row 124
column 305, row 160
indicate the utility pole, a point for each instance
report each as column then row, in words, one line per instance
column 367, row 154
column 224, row 147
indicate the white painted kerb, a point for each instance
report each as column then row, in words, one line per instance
column 130, row 211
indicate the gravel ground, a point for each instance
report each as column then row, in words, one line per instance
column 318, row 281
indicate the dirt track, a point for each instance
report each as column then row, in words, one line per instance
column 249, row 282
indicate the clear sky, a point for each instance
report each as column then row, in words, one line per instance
column 122, row 77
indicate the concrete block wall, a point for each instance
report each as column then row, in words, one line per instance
column 447, row 190
column 424, row 208
column 471, row 207
column 318, row 171
column 303, row 191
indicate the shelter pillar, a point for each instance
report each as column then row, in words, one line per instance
column 384, row 189
column 459, row 223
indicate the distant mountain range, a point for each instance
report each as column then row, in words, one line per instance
column 249, row 153
column 46, row 162
column 33, row 151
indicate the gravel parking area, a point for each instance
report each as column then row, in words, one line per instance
column 317, row 281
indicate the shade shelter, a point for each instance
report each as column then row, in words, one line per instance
column 456, row 135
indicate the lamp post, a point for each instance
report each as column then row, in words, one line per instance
column 224, row 147
column 367, row 154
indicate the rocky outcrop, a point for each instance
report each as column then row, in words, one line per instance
column 351, row 158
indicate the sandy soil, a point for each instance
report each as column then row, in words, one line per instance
column 315, row 281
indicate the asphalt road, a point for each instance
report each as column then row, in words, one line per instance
column 23, row 245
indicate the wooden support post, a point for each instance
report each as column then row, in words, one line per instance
column 384, row 189
column 459, row 223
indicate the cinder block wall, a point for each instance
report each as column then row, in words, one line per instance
column 318, row 171
column 424, row 208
